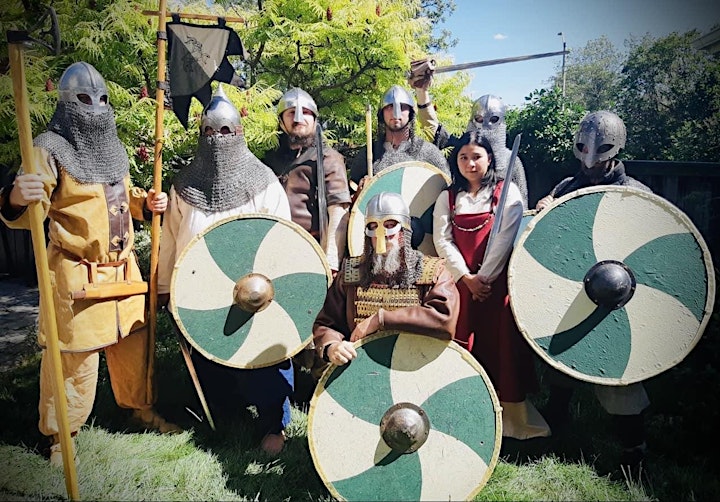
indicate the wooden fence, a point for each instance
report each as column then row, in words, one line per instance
column 694, row 187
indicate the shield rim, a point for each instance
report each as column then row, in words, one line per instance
column 660, row 201
column 466, row 356
column 400, row 165
column 172, row 308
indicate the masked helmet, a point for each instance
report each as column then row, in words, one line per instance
column 219, row 113
column 298, row 99
column 397, row 96
column 82, row 78
column 600, row 137
column 381, row 208
column 488, row 112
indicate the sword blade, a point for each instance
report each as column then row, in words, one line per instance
column 491, row 62
column 321, row 195
column 503, row 197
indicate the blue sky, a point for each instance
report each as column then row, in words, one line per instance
column 493, row 29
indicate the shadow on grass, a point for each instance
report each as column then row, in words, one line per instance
column 681, row 426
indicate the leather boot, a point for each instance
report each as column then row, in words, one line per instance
column 150, row 420
column 56, row 459
column 523, row 421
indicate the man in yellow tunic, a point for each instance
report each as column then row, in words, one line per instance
column 83, row 184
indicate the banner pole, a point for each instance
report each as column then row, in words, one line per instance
column 157, row 186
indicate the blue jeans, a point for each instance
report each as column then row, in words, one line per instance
column 268, row 389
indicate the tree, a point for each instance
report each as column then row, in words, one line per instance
column 592, row 75
column 437, row 11
column 547, row 123
column 345, row 53
column 670, row 100
column 116, row 38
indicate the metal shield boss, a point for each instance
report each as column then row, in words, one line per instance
column 419, row 183
column 411, row 418
column 611, row 285
column 245, row 292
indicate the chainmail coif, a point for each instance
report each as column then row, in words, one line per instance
column 85, row 144
column 224, row 174
column 415, row 148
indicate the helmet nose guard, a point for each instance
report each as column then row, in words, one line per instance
column 80, row 79
column 298, row 99
column 397, row 96
column 219, row 113
column 600, row 137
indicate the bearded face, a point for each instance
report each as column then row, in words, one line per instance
column 393, row 123
column 388, row 264
column 300, row 134
column 387, row 268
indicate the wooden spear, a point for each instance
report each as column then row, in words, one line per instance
column 368, row 137
column 47, row 306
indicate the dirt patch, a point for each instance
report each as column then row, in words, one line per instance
column 18, row 321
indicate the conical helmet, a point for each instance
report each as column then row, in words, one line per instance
column 80, row 79
column 219, row 113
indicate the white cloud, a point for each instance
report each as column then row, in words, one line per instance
column 499, row 36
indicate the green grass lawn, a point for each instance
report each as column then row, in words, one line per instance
column 116, row 462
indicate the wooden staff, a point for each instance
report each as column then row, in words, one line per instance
column 157, row 186
column 368, row 137
column 47, row 306
column 183, row 15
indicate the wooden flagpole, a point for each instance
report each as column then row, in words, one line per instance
column 47, row 306
column 157, row 186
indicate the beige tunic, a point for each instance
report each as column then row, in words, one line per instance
column 90, row 222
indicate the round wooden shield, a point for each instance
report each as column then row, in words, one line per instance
column 528, row 215
column 428, row 398
column 419, row 184
column 245, row 292
column 611, row 285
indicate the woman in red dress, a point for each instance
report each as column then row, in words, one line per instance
column 463, row 217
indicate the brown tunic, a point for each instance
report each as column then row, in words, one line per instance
column 297, row 175
column 87, row 222
column 429, row 308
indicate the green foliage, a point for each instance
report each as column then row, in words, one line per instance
column 670, row 100
column 437, row 11
column 342, row 52
column 345, row 53
column 547, row 123
column 592, row 75
column 666, row 91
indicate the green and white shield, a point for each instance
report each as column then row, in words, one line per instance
column 419, row 184
column 527, row 216
column 411, row 418
column 611, row 285
column 245, row 292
